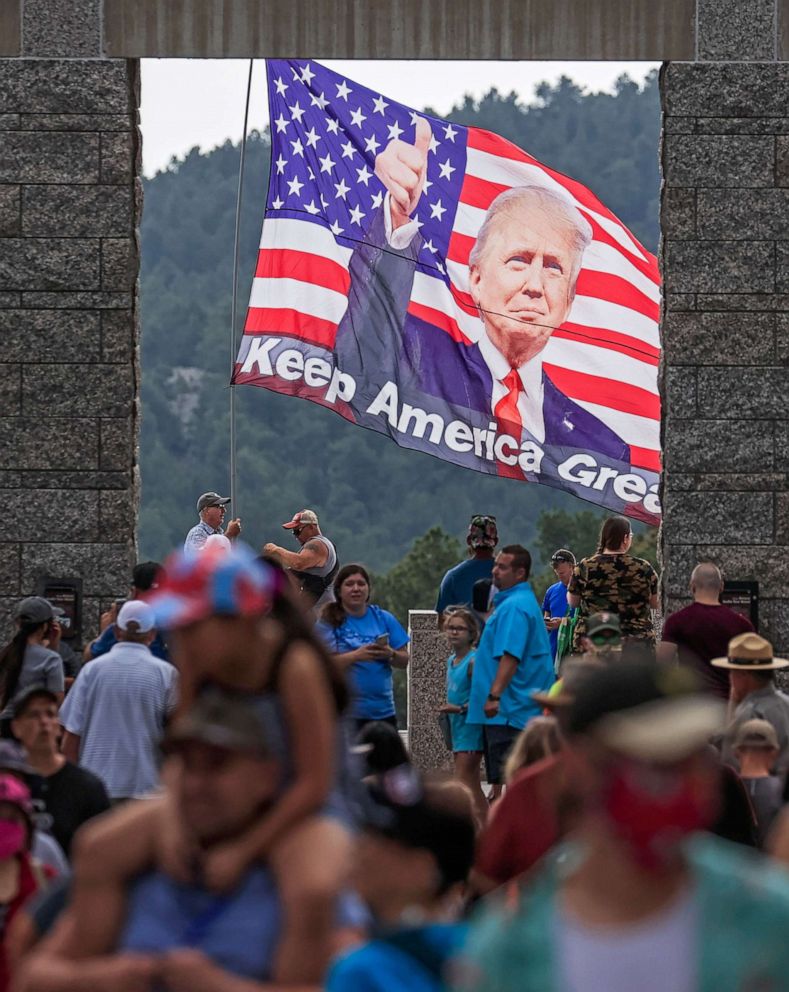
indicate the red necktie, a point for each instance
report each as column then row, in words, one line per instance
column 508, row 419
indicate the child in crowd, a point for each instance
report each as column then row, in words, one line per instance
column 232, row 623
column 756, row 749
column 411, row 864
column 539, row 739
column 462, row 631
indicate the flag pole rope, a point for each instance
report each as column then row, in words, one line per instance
column 234, row 305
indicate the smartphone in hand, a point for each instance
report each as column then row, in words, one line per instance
column 382, row 640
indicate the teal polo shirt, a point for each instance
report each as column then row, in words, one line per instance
column 515, row 627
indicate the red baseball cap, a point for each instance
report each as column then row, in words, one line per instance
column 302, row 519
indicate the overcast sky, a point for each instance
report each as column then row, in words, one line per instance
column 201, row 101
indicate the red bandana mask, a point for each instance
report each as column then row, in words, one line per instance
column 653, row 809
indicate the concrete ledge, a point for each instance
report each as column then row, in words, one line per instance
column 400, row 29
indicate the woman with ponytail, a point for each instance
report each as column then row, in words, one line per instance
column 29, row 659
column 614, row 581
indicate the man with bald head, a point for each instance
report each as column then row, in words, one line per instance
column 522, row 274
column 702, row 631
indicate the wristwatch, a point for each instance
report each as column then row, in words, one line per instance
column 493, row 698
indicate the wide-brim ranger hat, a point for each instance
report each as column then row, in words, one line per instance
column 644, row 711
column 214, row 583
column 750, row 652
column 302, row 519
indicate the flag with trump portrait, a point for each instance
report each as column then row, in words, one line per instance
column 437, row 284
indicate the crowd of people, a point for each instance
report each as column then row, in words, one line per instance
column 219, row 798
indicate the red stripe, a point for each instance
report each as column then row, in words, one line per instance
column 438, row 319
column 645, row 458
column 646, row 266
column 477, row 192
column 601, row 337
column 494, row 144
column 297, row 388
column 293, row 323
column 481, row 194
column 285, row 263
column 616, row 289
column 606, row 392
column 459, row 248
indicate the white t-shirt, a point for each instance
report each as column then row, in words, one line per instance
column 658, row 954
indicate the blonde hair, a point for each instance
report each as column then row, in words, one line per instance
column 539, row 739
column 567, row 216
column 465, row 614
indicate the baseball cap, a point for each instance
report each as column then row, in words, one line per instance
column 32, row 692
column 223, row 719
column 398, row 808
column 644, row 711
column 598, row 623
column 562, row 555
column 301, row 519
column 756, row 733
column 15, row 792
column 36, row 609
column 211, row 499
column 214, row 582
column 482, row 531
column 13, row 758
column 134, row 611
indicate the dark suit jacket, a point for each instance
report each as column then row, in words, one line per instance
column 378, row 340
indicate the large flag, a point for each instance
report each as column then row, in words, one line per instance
column 437, row 284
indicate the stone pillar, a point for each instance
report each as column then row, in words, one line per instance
column 70, row 201
column 725, row 262
column 427, row 689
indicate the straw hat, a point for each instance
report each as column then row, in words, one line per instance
column 749, row 652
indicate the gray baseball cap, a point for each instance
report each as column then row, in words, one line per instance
column 223, row 719
column 36, row 609
column 211, row 499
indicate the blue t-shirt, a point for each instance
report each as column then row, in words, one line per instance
column 515, row 627
column 457, row 586
column 387, row 965
column 109, row 638
column 238, row 931
column 555, row 605
column 371, row 681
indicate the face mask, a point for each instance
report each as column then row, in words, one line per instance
column 12, row 838
column 653, row 810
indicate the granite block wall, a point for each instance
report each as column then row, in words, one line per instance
column 725, row 263
column 427, row 684
column 70, row 200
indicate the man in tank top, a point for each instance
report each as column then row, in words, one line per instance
column 315, row 565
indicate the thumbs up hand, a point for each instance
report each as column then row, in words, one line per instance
column 402, row 168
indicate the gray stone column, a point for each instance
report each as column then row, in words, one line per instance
column 70, row 200
column 725, row 262
column 427, row 689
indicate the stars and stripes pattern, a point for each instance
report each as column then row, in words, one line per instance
column 326, row 132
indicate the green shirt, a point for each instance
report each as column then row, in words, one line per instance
column 743, row 940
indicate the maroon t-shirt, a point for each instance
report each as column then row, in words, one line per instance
column 701, row 633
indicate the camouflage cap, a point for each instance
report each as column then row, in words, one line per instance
column 482, row 532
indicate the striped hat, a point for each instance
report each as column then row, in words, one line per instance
column 214, row 582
